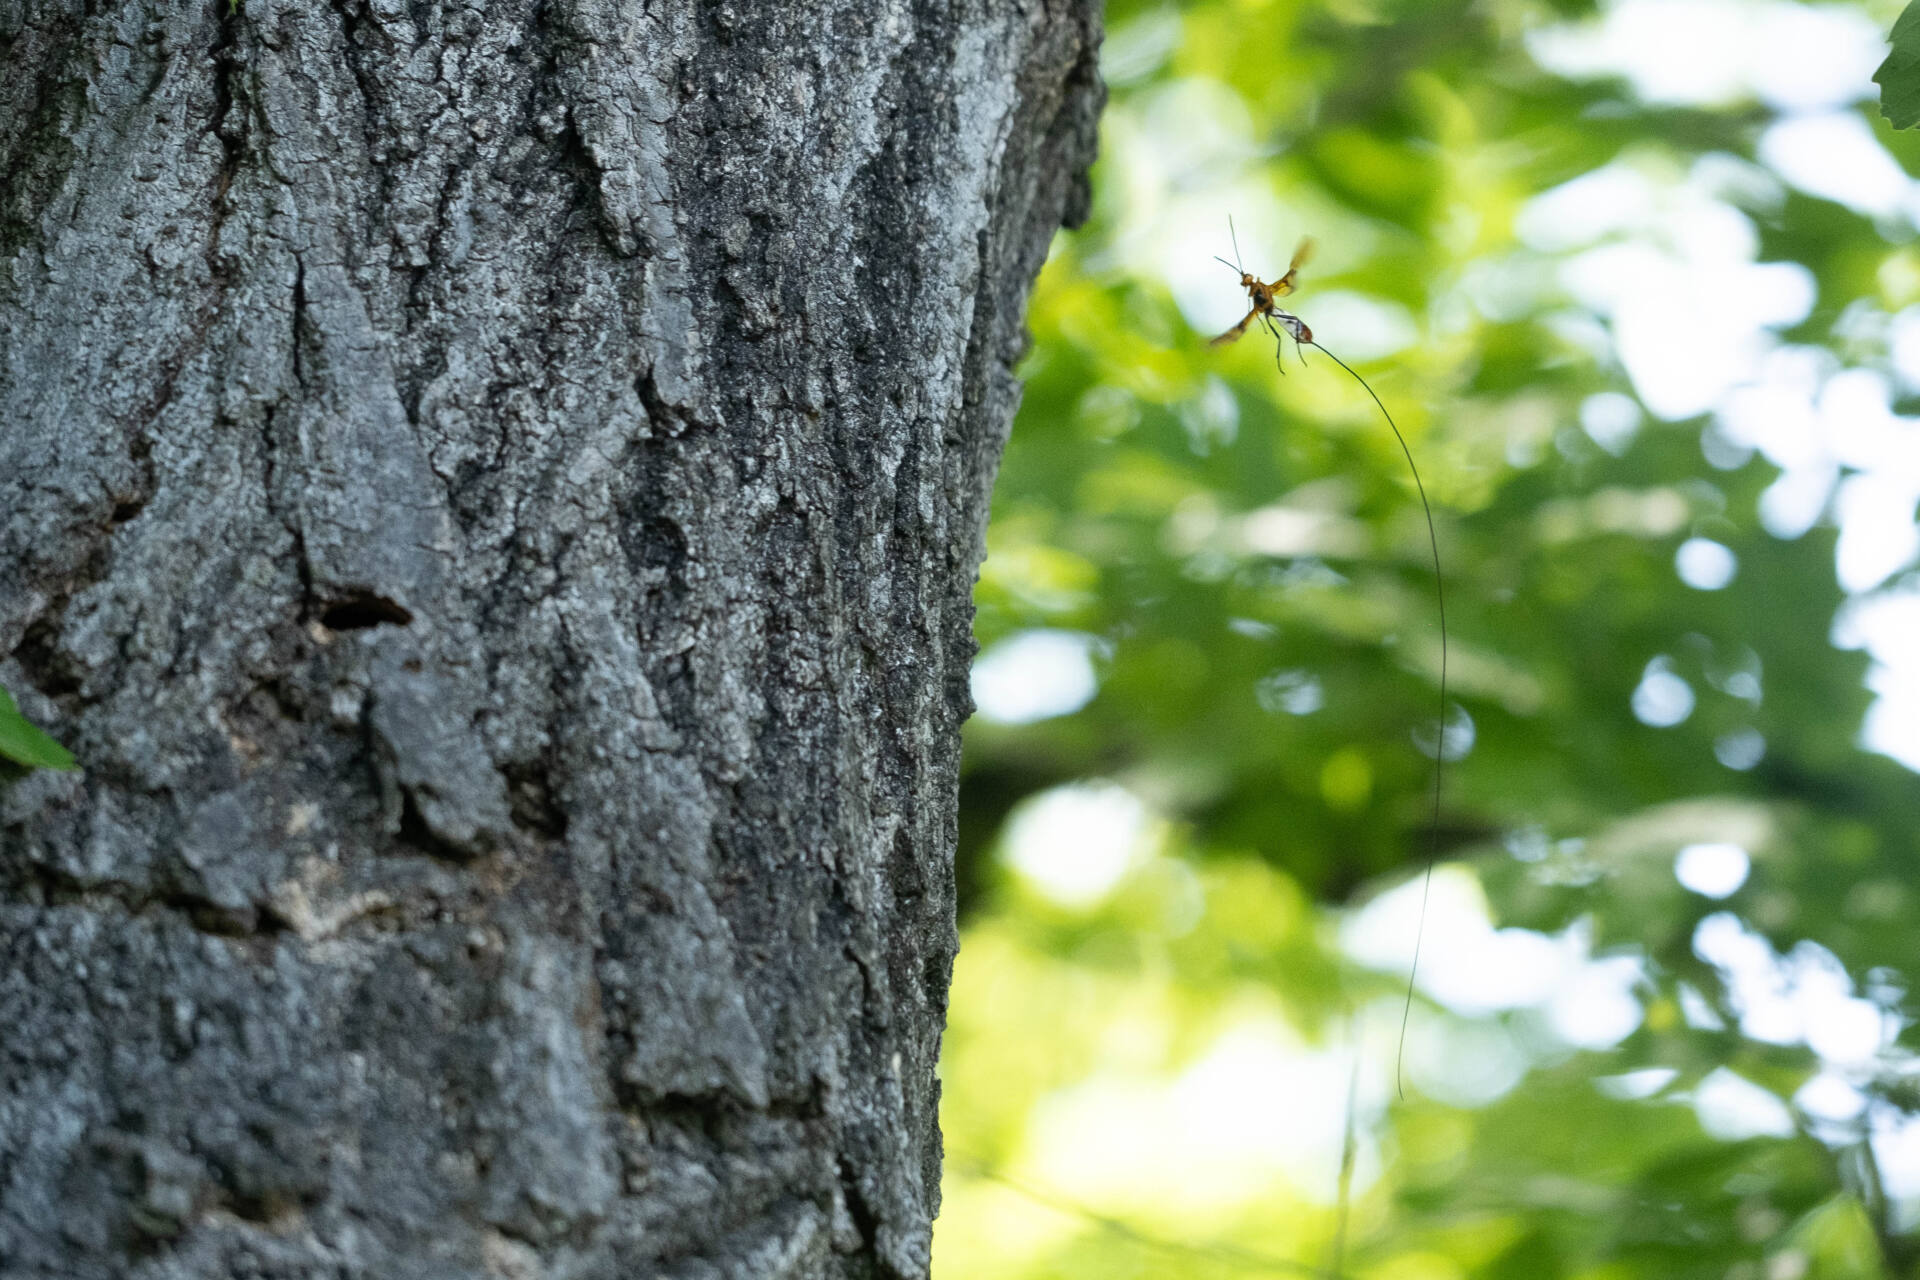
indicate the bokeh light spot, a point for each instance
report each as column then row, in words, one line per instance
column 1346, row 780
column 1712, row 870
column 1034, row 675
column 1733, row 1108
column 1074, row 843
column 1704, row 564
column 1662, row 699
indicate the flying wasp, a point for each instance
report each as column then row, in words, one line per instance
column 1266, row 308
column 1265, row 298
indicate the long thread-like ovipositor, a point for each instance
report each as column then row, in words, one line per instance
column 1264, row 298
column 1349, row 1144
column 1440, row 730
column 1217, row 1254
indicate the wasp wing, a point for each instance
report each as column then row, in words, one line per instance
column 1284, row 285
column 1233, row 334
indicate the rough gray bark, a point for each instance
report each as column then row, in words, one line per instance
column 490, row 492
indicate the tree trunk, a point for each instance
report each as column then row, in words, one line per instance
column 490, row 493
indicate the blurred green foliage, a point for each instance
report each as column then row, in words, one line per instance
column 1185, row 898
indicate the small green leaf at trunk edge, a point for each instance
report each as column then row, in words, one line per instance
column 24, row 744
column 1899, row 76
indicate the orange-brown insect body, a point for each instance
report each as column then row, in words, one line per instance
column 1263, row 297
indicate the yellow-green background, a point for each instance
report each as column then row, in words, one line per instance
column 1169, row 1060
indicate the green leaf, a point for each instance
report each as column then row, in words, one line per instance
column 1899, row 76
column 1838, row 1242
column 25, row 744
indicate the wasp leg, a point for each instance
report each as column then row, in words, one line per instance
column 1279, row 346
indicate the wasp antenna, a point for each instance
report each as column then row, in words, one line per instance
column 1231, row 235
column 1223, row 262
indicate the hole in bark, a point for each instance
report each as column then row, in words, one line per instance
column 40, row 654
column 363, row 611
column 126, row 511
column 533, row 804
